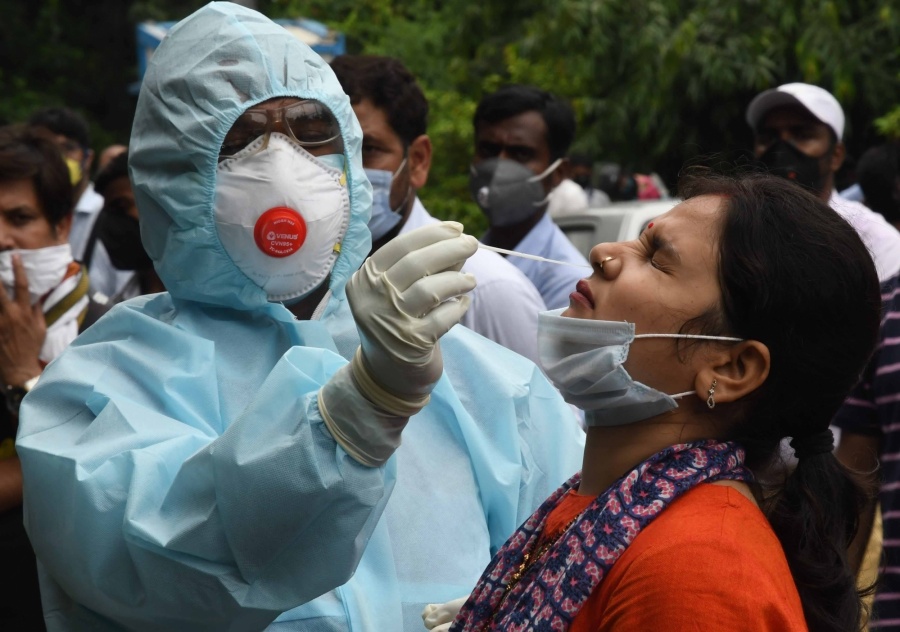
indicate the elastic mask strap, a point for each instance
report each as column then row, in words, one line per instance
column 402, row 166
column 543, row 175
column 546, row 172
column 695, row 336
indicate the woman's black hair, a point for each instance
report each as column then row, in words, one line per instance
column 795, row 276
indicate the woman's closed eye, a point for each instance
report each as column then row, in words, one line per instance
column 656, row 256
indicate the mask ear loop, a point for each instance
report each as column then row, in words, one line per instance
column 546, row 172
column 408, row 188
column 696, row 337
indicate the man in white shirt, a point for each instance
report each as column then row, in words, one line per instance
column 567, row 198
column 393, row 112
column 798, row 131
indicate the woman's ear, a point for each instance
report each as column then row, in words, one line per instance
column 734, row 373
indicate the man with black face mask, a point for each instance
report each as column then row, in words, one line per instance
column 117, row 228
column 522, row 135
column 798, row 135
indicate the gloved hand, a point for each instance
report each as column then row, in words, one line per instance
column 438, row 617
column 404, row 298
column 398, row 301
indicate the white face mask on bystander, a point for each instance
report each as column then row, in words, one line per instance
column 44, row 267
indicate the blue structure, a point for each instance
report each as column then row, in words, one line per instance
column 325, row 41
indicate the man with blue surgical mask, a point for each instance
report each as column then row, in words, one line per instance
column 522, row 135
column 227, row 454
column 393, row 113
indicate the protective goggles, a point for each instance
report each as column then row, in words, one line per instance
column 309, row 123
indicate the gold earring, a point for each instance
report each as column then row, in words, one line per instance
column 710, row 401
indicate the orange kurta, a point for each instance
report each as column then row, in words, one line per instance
column 710, row 561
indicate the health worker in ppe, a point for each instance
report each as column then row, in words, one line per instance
column 218, row 456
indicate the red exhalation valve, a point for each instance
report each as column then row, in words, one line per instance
column 280, row 232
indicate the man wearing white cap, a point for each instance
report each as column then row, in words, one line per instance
column 798, row 131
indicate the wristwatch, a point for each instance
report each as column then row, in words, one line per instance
column 15, row 394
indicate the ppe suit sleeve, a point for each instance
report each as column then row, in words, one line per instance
column 147, row 508
column 506, row 313
column 524, row 440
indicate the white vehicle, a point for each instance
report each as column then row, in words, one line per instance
column 621, row 221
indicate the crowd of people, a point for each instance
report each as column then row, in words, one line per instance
column 250, row 382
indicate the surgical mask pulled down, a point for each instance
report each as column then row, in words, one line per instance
column 584, row 359
column 384, row 218
column 281, row 214
column 44, row 267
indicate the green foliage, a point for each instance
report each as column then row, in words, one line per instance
column 889, row 124
column 81, row 55
column 655, row 83
column 447, row 193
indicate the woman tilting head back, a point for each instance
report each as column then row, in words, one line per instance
column 741, row 317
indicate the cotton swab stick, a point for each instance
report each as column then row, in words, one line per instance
column 525, row 255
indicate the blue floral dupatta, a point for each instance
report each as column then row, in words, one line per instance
column 528, row 587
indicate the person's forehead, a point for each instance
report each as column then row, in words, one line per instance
column 790, row 116
column 527, row 128
column 19, row 193
column 374, row 120
column 66, row 143
column 693, row 220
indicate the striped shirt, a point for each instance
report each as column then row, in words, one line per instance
column 873, row 409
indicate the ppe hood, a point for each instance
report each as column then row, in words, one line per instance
column 210, row 68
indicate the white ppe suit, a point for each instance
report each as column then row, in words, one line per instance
column 178, row 474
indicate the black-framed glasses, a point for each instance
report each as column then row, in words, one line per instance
column 309, row 123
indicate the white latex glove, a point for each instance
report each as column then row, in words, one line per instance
column 398, row 301
column 404, row 298
column 438, row 617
